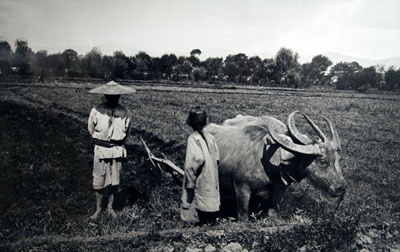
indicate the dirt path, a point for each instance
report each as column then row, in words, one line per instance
column 186, row 233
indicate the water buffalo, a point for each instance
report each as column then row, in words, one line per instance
column 261, row 156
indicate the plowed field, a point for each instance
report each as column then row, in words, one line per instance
column 45, row 189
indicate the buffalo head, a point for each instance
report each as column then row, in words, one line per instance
column 319, row 159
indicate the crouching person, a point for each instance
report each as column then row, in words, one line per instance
column 201, row 185
column 109, row 125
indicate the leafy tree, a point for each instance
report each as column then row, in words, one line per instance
column 167, row 64
column 235, row 66
column 343, row 74
column 199, row 73
column 132, row 65
column 156, row 68
column 287, row 68
column 380, row 71
column 256, row 70
column 314, row 73
column 22, row 57
column 392, row 79
column 5, row 49
column 230, row 68
column 180, row 60
column 143, row 67
column 194, row 60
column 5, row 58
column 92, row 63
column 70, row 57
column 108, row 66
column 213, row 67
column 367, row 77
column 269, row 66
column 193, row 57
column 120, row 70
column 185, row 68
column 345, row 68
column 360, row 80
column 55, row 64
column 40, row 66
column 195, row 52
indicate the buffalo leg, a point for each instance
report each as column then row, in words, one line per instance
column 276, row 197
column 242, row 201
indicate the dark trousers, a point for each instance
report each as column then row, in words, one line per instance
column 207, row 217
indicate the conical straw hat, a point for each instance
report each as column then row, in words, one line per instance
column 112, row 88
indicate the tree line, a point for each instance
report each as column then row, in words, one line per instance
column 283, row 70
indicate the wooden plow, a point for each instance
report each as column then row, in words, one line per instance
column 155, row 161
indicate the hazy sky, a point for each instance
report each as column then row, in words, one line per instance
column 359, row 28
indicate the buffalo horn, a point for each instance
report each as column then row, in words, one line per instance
column 294, row 132
column 335, row 135
column 290, row 146
column 316, row 129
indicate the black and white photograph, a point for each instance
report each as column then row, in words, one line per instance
column 200, row 125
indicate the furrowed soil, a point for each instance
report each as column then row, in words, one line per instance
column 46, row 155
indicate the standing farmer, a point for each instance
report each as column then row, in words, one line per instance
column 109, row 124
column 201, row 184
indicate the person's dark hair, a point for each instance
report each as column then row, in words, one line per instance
column 197, row 118
column 112, row 100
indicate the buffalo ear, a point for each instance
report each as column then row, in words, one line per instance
column 268, row 140
column 286, row 156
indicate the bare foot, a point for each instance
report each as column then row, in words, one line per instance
column 112, row 213
column 95, row 215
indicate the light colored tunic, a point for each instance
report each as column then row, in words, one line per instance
column 108, row 124
column 201, row 172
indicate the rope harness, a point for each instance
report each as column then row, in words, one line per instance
column 337, row 207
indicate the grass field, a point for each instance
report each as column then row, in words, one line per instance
column 46, row 194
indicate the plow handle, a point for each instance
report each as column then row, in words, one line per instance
column 164, row 160
column 170, row 164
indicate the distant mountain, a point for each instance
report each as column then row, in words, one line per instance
column 109, row 49
column 59, row 49
column 106, row 49
column 262, row 55
column 336, row 58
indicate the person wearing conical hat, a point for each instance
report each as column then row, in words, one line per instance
column 109, row 125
